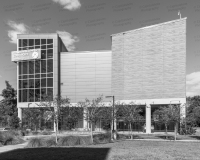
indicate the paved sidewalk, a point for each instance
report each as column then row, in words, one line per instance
column 12, row 147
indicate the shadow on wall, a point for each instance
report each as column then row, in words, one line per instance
column 57, row 153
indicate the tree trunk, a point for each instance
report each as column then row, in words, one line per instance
column 111, row 136
column 175, row 132
column 166, row 131
column 91, row 133
column 131, row 131
column 56, row 131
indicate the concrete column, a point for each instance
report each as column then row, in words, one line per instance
column 20, row 113
column 85, row 122
column 148, row 118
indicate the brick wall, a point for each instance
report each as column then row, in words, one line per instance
column 150, row 63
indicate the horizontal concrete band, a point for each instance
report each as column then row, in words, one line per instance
column 137, row 102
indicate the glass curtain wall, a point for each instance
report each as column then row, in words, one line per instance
column 36, row 76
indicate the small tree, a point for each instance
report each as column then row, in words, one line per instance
column 171, row 113
column 175, row 116
column 33, row 117
column 55, row 105
column 93, row 112
column 72, row 115
column 8, row 106
column 161, row 116
column 131, row 114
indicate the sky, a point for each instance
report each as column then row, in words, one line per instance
column 86, row 25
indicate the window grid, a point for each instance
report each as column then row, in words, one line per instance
column 25, row 89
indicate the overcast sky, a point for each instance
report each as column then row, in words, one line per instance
column 86, row 25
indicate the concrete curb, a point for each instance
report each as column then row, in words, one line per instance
column 163, row 140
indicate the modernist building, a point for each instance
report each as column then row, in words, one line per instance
column 146, row 66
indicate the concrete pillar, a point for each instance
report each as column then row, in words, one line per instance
column 85, row 122
column 148, row 118
column 20, row 113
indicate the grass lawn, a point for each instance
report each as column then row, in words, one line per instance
column 121, row 150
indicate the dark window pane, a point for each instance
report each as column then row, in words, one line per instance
column 43, row 54
column 20, row 43
column 43, row 66
column 31, row 83
column 43, row 41
column 25, row 42
column 20, row 68
column 50, row 46
column 43, row 75
column 50, row 65
column 37, row 76
column 31, row 95
column 37, row 66
column 43, row 93
column 31, row 47
column 50, row 75
column 20, row 49
column 43, row 82
column 37, row 83
column 37, row 95
column 49, row 82
column 24, row 95
column 24, row 83
column 31, row 42
column 25, row 68
column 49, row 41
column 20, row 84
column 25, row 76
column 27, row 95
column 50, row 93
column 36, row 47
column 20, row 77
column 43, row 46
column 31, row 76
column 20, row 96
column 50, row 53
column 31, row 67
column 37, row 41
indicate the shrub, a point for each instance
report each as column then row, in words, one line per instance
column 35, row 133
column 10, row 137
column 46, row 133
column 85, row 140
column 49, row 142
column 35, row 142
column 68, row 141
column 123, row 136
column 102, row 138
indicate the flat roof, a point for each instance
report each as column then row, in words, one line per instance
column 149, row 26
column 86, row 51
column 37, row 35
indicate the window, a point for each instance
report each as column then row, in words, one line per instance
column 50, row 65
column 49, row 82
column 36, row 76
column 31, row 67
